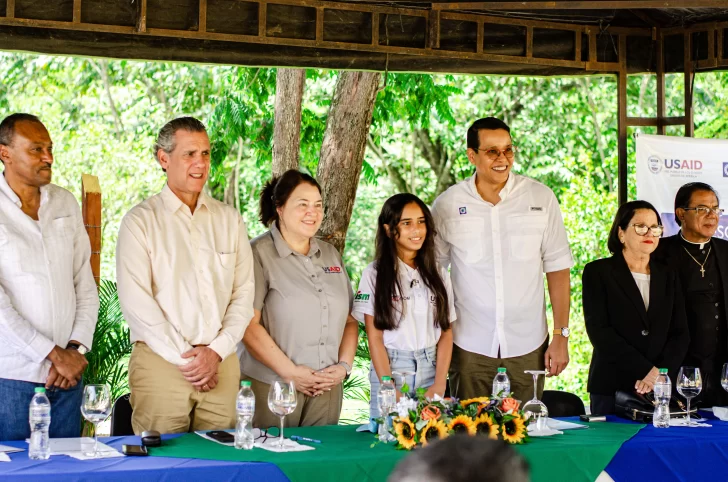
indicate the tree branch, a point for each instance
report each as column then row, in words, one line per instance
column 102, row 67
column 395, row 176
column 598, row 134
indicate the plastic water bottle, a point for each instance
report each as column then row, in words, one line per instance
column 387, row 401
column 663, row 392
column 39, row 415
column 246, row 409
column 501, row 384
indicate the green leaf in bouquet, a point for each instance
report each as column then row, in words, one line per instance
column 405, row 388
column 420, row 392
column 420, row 424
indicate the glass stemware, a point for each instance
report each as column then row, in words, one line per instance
column 535, row 409
column 724, row 377
column 689, row 385
column 95, row 407
column 282, row 401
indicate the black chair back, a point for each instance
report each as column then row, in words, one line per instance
column 121, row 416
column 562, row 404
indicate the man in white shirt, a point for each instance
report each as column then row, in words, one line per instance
column 185, row 274
column 499, row 232
column 48, row 298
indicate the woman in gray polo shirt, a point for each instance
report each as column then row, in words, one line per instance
column 302, row 329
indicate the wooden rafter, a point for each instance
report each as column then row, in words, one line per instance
column 577, row 5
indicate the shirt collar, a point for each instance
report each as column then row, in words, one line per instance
column 172, row 203
column 8, row 191
column 282, row 246
column 503, row 193
column 701, row 245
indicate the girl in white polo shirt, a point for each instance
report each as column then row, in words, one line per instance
column 405, row 300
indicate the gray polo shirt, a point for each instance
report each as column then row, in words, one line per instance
column 304, row 302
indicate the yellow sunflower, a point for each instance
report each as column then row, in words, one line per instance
column 405, row 431
column 462, row 424
column 480, row 400
column 514, row 430
column 484, row 425
column 435, row 429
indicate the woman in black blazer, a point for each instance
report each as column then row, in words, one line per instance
column 633, row 310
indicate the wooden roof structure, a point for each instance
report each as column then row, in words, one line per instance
column 566, row 37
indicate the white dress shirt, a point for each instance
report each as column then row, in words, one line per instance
column 47, row 291
column 416, row 330
column 497, row 255
column 184, row 279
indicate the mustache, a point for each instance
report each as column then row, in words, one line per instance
column 46, row 166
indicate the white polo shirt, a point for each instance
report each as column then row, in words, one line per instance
column 417, row 328
column 497, row 257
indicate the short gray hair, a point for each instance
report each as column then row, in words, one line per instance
column 166, row 139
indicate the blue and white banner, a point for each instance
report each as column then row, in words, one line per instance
column 664, row 163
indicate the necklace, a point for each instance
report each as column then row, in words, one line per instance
column 702, row 266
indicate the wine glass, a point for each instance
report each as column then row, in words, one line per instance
column 402, row 376
column 689, row 385
column 95, row 407
column 535, row 409
column 724, row 377
column 282, row 400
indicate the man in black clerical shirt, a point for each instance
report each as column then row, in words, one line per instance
column 702, row 264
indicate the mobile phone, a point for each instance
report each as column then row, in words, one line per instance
column 593, row 418
column 134, row 450
column 221, row 436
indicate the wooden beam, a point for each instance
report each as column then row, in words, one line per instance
column 262, row 18
column 480, row 37
column 577, row 46
column 76, row 11
column 433, row 30
column 529, row 42
column 375, row 29
column 10, row 8
column 655, row 122
column 202, row 22
column 719, row 41
column 319, row 24
column 688, row 66
column 622, row 169
column 660, row 75
column 141, row 16
column 91, row 210
column 581, row 5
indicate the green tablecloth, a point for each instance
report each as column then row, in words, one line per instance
column 578, row 455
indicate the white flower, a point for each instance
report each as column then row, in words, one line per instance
column 404, row 405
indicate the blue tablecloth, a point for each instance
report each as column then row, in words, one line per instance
column 135, row 469
column 673, row 454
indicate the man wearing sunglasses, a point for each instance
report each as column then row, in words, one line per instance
column 499, row 233
column 701, row 261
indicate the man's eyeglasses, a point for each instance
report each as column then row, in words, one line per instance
column 262, row 435
column 641, row 229
column 705, row 210
column 494, row 153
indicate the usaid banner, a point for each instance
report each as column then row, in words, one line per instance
column 664, row 163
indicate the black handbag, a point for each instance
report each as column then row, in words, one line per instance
column 640, row 408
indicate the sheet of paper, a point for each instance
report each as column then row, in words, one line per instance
column 271, row 444
column 9, row 450
column 4, row 457
column 562, row 425
column 74, row 447
column 681, row 422
column 106, row 454
column 544, row 433
column 204, row 435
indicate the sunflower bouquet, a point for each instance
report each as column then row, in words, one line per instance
column 419, row 421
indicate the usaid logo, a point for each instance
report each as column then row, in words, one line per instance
column 725, row 169
column 655, row 164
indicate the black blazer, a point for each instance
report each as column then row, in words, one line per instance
column 628, row 340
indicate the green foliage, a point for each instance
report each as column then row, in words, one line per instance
column 109, row 355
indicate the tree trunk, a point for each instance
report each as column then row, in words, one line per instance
column 287, row 128
column 342, row 151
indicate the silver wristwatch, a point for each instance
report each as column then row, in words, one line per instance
column 78, row 347
column 347, row 367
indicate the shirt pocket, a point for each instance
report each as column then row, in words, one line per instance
column 62, row 227
column 526, row 235
column 466, row 238
column 226, row 261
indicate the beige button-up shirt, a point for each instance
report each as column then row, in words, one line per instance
column 185, row 279
column 304, row 302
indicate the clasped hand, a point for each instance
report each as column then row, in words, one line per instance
column 67, row 367
column 314, row 383
column 201, row 372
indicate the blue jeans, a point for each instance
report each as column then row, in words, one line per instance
column 15, row 397
column 421, row 363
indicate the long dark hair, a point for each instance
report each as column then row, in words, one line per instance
column 277, row 191
column 387, row 265
column 624, row 215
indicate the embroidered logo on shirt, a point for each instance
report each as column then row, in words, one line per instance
column 433, row 300
column 361, row 296
column 332, row 269
column 397, row 298
column 463, row 210
column 537, row 209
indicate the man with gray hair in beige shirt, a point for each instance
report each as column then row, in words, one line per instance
column 185, row 276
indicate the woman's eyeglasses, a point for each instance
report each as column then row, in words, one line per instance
column 641, row 229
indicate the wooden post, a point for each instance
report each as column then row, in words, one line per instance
column 660, row 83
column 91, row 208
column 622, row 121
column 689, row 74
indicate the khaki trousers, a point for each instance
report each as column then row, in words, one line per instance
column 164, row 401
column 322, row 410
column 471, row 374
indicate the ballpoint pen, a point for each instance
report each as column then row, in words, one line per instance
column 304, row 439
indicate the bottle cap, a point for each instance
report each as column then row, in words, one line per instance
column 245, row 383
column 39, row 389
column 386, row 379
column 501, row 370
column 663, row 371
